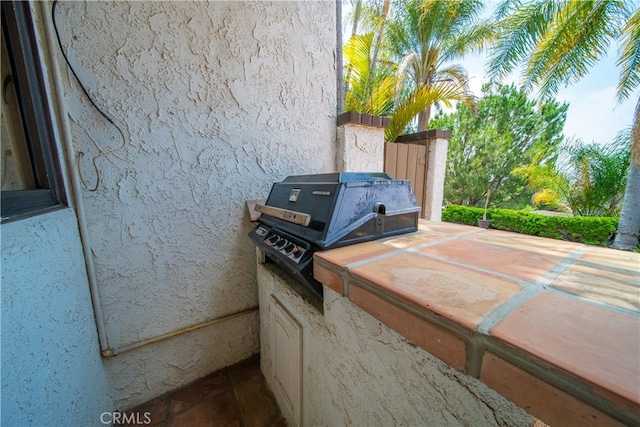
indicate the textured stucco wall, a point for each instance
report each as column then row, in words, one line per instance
column 52, row 372
column 360, row 148
column 358, row 372
column 436, row 172
column 216, row 100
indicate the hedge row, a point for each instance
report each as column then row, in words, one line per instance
column 588, row 230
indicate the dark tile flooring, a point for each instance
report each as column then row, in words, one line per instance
column 234, row 396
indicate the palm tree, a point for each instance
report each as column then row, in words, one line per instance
column 426, row 37
column 374, row 83
column 374, row 86
column 558, row 41
column 371, row 82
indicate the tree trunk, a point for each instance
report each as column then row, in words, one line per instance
column 341, row 84
column 423, row 119
column 629, row 223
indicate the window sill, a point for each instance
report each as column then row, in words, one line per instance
column 551, row 325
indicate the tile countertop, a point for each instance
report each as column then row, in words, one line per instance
column 553, row 326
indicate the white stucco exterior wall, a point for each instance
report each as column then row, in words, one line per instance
column 360, row 148
column 358, row 372
column 216, row 101
column 52, row 372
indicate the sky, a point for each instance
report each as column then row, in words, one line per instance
column 594, row 114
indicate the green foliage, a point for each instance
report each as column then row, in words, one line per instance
column 463, row 214
column 591, row 179
column 506, row 132
column 588, row 230
column 401, row 65
column 558, row 41
column 629, row 59
column 598, row 178
column 371, row 83
column 426, row 36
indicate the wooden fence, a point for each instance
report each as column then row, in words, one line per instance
column 421, row 158
column 408, row 161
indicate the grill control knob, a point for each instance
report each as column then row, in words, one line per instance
column 297, row 252
column 281, row 243
column 272, row 240
column 289, row 248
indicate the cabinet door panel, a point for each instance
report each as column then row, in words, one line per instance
column 286, row 360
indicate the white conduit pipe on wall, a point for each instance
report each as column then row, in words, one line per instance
column 105, row 349
column 75, row 183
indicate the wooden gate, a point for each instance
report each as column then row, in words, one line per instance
column 408, row 161
column 422, row 159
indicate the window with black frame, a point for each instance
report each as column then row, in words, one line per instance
column 31, row 176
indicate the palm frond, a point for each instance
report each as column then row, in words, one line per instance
column 629, row 57
column 518, row 34
column 423, row 97
column 371, row 82
column 471, row 39
column 407, row 111
column 577, row 38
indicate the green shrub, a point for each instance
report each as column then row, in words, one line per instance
column 588, row 230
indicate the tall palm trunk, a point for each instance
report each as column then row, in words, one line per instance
column 629, row 223
column 386, row 5
column 423, row 119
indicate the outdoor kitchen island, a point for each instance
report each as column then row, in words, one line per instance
column 435, row 327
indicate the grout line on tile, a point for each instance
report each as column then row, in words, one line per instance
column 547, row 279
column 373, row 259
column 499, row 313
column 617, row 269
column 443, row 240
column 522, row 282
column 410, row 250
column 602, row 304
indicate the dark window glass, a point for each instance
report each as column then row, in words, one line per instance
column 31, row 176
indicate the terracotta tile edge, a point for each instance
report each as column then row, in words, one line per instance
column 469, row 339
column 574, row 387
column 330, row 277
column 504, row 310
column 545, row 400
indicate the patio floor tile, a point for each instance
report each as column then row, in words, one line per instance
column 234, row 396
column 607, row 257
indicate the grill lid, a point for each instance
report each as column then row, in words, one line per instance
column 336, row 209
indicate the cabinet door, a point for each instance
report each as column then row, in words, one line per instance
column 286, row 361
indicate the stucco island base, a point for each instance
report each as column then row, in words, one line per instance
column 356, row 371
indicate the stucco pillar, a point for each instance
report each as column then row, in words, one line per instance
column 436, row 170
column 360, row 142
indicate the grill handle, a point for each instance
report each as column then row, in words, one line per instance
column 381, row 209
column 294, row 217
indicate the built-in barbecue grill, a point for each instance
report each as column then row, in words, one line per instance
column 309, row 213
